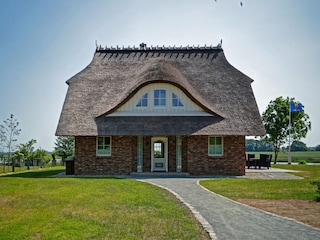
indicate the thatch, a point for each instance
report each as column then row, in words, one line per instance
column 115, row 75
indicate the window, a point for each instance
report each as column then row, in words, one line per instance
column 176, row 102
column 143, row 101
column 158, row 149
column 104, row 146
column 215, row 146
column 160, row 98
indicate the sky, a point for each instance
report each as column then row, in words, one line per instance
column 44, row 43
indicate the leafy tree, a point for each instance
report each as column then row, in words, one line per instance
column 18, row 156
column 253, row 145
column 317, row 148
column 64, row 146
column 298, row 146
column 8, row 133
column 276, row 123
column 28, row 151
column 41, row 154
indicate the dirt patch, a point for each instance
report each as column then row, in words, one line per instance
column 303, row 211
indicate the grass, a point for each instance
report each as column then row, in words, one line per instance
column 37, row 206
column 308, row 156
column 270, row 189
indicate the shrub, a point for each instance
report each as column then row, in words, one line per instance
column 302, row 162
column 318, row 191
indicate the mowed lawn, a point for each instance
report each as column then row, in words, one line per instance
column 37, row 206
column 236, row 188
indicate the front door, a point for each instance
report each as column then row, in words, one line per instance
column 159, row 154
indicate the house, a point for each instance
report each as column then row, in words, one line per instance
column 160, row 109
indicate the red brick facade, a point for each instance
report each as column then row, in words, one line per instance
column 195, row 159
column 231, row 163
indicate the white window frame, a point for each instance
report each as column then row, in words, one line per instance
column 215, row 154
column 141, row 99
column 104, row 154
column 176, row 97
column 160, row 98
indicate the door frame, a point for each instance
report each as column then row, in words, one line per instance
column 163, row 160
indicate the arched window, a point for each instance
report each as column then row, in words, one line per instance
column 176, row 102
column 143, row 101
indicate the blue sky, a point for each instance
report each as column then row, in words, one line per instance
column 44, row 43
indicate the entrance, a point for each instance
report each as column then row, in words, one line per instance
column 159, row 154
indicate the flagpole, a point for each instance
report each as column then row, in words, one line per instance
column 289, row 148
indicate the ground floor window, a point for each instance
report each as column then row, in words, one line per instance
column 215, row 147
column 103, row 146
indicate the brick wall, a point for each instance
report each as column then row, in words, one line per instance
column 195, row 159
column 120, row 161
column 231, row 163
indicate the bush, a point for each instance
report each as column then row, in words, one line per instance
column 302, row 162
column 318, row 191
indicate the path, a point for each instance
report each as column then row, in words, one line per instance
column 231, row 220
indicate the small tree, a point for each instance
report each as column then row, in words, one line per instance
column 18, row 156
column 41, row 154
column 8, row 133
column 276, row 123
column 28, row 151
column 64, row 147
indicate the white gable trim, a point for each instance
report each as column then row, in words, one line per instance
column 189, row 107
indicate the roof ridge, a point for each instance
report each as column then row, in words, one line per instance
column 144, row 47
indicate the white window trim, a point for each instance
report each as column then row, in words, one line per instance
column 143, row 107
column 168, row 100
column 215, row 155
column 103, row 155
column 179, row 101
column 165, row 106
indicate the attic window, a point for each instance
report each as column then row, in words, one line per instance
column 143, row 101
column 160, row 98
column 176, row 102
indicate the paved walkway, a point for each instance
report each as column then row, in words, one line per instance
column 225, row 219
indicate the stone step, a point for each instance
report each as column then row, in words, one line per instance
column 160, row 174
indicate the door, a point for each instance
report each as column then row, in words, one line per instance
column 159, row 154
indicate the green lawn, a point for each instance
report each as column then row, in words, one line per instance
column 308, row 156
column 269, row 189
column 37, row 206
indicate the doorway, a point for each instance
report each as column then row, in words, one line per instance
column 159, row 154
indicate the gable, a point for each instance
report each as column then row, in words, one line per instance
column 160, row 99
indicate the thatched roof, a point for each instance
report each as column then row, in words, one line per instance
column 203, row 73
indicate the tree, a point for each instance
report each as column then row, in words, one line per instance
column 64, row 146
column 8, row 133
column 41, row 154
column 318, row 148
column 298, row 146
column 276, row 123
column 253, row 145
column 28, row 151
column 18, row 156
